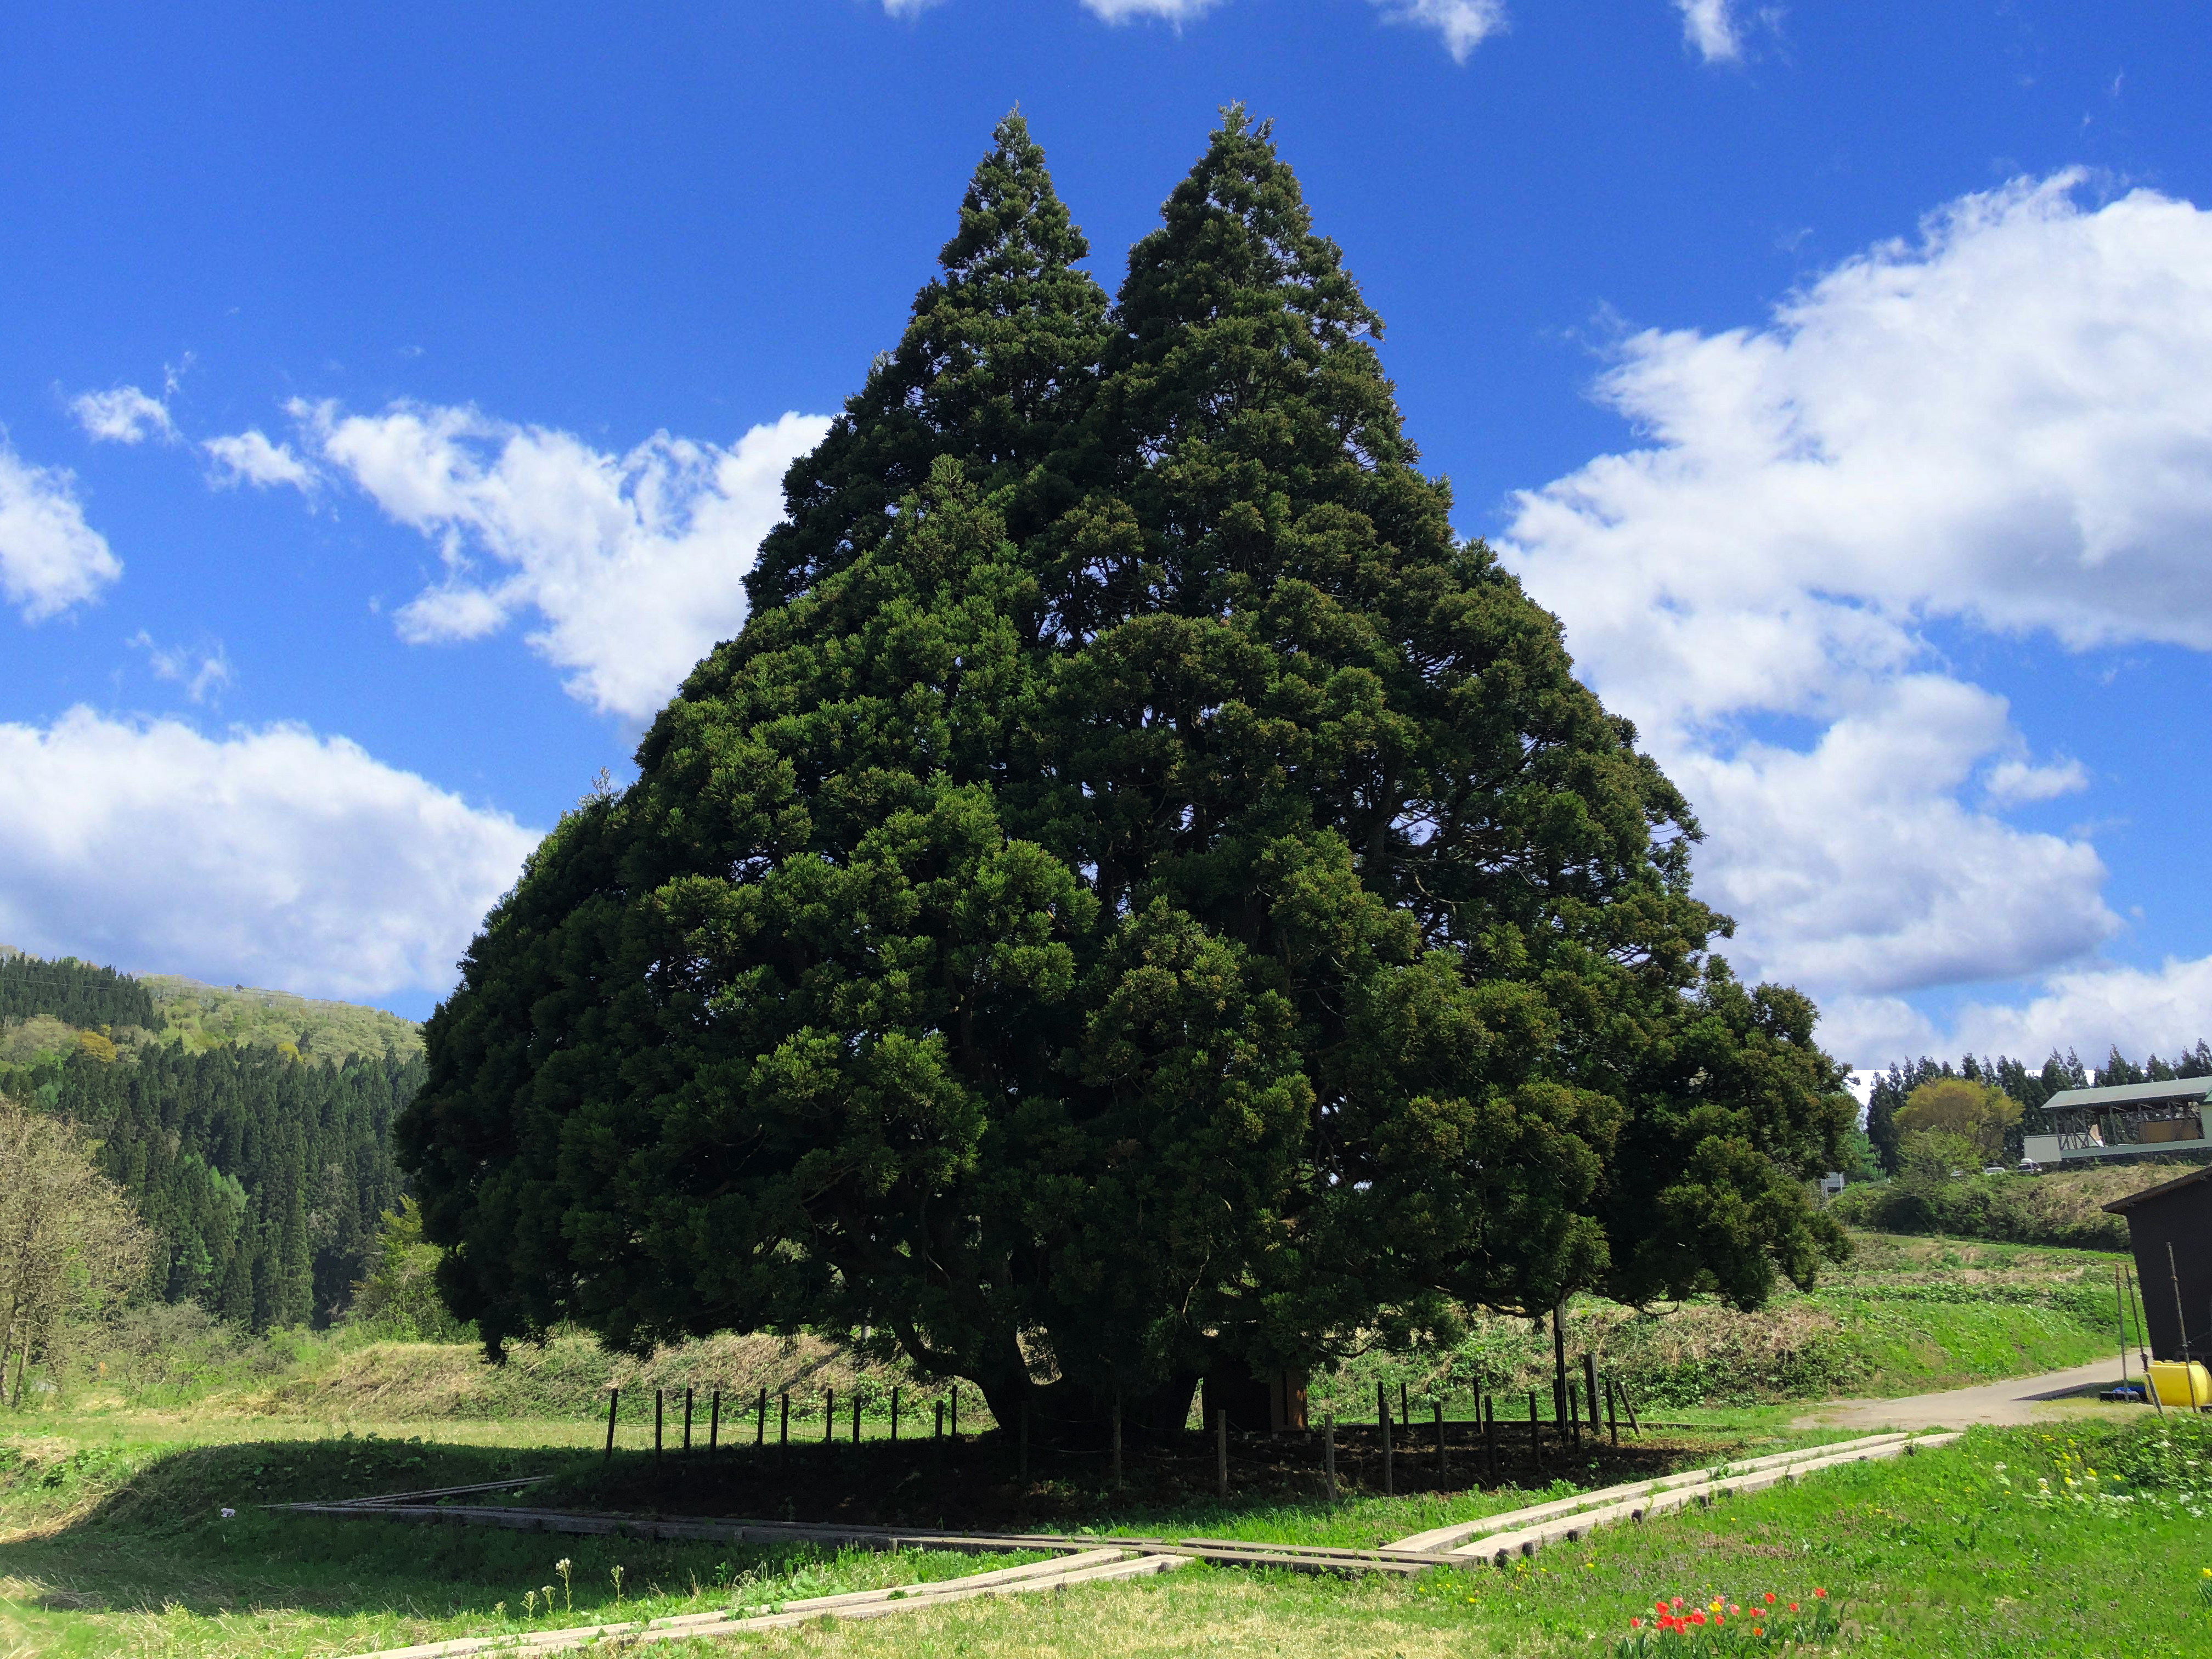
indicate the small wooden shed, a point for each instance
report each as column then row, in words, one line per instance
column 2170, row 1230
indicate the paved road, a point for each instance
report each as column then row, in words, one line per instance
column 2022, row 1400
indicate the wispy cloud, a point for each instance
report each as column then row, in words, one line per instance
column 632, row 563
column 250, row 457
column 1462, row 24
column 50, row 557
column 1710, row 27
column 203, row 673
column 122, row 415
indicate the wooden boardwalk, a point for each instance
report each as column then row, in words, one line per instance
column 1077, row 1558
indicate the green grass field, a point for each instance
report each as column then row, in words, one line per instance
column 112, row 1540
column 118, row 1546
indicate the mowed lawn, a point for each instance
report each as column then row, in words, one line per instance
column 119, row 1547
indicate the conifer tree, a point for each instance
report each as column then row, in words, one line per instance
column 1141, row 896
column 994, row 363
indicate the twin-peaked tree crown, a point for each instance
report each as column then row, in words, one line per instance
column 1140, row 894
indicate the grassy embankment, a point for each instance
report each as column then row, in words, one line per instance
column 1905, row 1316
column 2064, row 1208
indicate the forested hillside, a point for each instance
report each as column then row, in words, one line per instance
column 2030, row 1085
column 250, row 1128
column 76, row 992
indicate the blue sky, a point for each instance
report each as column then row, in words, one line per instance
column 390, row 400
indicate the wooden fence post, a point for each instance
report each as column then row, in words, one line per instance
column 1389, row 1473
column 1440, row 1442
column 1328, row 1456
column 760, row 1420
column 894, row 1405
column 687, row 1417
column 1117, row 1437
column 1572, row 1428
column 856, row 1416
column 1221, row 1454
column 613, row 1397
column 828, row 1415
column 657, row 1392
column 1589, row 1380
column 1535, row 1436
column 1490, row 1436
column 955, row 1411
column 939, row 1433
column 1612, row 1419
column 713, row 1424
column 783, row 1428
column 1629, row 1406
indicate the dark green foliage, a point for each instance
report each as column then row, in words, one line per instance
column 1140, row 894
column 73, row 991
column 995, row 363
column 261, row 1176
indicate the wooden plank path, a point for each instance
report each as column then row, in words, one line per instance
column 1500, row 1538
column 1296, row 1558
column 1090, row 1567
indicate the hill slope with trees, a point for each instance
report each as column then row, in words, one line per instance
column 250, row 1130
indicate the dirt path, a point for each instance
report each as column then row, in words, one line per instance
column 2022, row 1400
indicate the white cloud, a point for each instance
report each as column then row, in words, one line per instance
column 1173, row 11
column 274, row 857
column 202, row 673
column 1710, row 27
column 249, row 456
column 2005, row 425
column 2011, row 782
column 909, row 8
column 1854, row 866
column 2139, row 1011
column 124, row 415
column 1463, row 24
column 633, row 564
column 50, row 557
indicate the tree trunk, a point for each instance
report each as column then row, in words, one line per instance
column 1077, row 1415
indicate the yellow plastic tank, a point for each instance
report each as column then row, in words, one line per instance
column 2189, row 1386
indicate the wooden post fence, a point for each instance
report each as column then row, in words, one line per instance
column 1590, row 1381
column 713, row 1424
column 687, row 1417
column 1490, row 1436
column 657, row 1394
column 1117, row 1437
column 1440, row 1442
column 1389, row 1473
column 614, row 1396
column 828, row 1415
column 1328, row 1456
